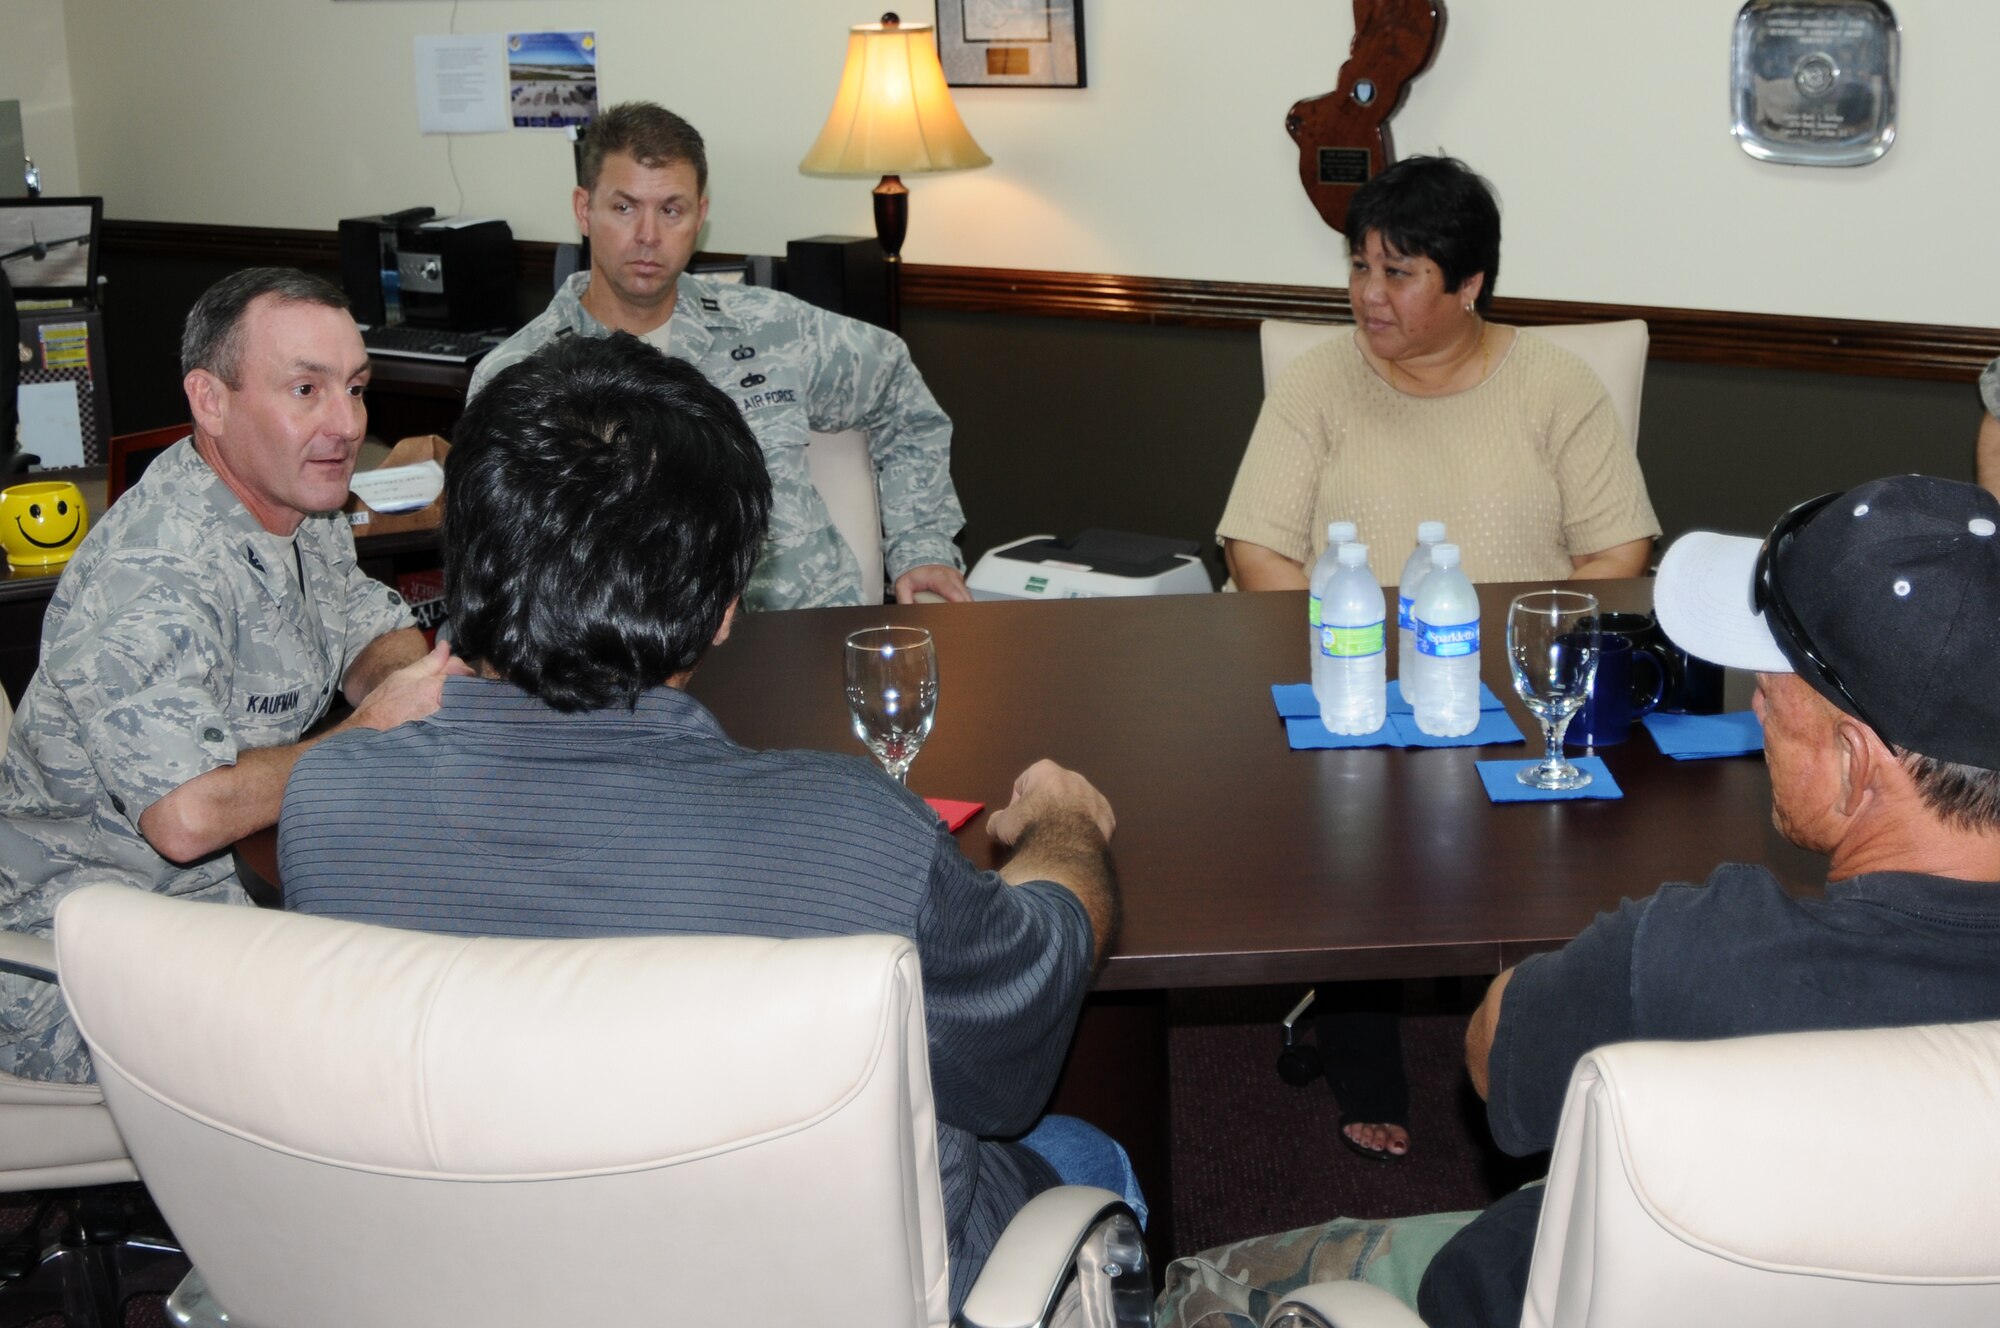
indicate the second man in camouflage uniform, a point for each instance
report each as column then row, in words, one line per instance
column 791, row 368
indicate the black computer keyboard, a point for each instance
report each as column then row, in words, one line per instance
column 427, row 343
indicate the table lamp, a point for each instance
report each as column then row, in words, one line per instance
column 892, row 116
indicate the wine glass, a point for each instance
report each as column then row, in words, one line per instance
column 892, row 689
column 1552, row 653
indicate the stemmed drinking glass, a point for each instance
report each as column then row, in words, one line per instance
column 892, row 692
column 1552, row 653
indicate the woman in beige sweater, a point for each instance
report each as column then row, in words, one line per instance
column 1428, row 412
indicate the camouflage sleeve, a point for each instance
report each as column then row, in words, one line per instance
column 372, row 609
column 862, row 378
column 143, row 678
column 511, row 351
column 1989, row 388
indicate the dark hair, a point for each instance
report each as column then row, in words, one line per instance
column 1966, row 797
column 213, row 337
column 651, row 135
column 1436, row 208
column 603, row 507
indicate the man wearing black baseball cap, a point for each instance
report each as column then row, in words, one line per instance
column 1872, row 621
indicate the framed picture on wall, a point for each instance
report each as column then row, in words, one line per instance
column 1011, row 43
column 48, row 247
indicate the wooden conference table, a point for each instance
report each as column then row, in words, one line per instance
column 1242, row 862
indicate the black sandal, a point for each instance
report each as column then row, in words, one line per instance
column 1363, row 1048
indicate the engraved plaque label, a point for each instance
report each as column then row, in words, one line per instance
column 1010, row 61
column 1345, row 165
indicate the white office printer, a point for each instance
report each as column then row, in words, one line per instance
column 1097, row 562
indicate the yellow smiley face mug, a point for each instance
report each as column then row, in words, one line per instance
column 41, row 523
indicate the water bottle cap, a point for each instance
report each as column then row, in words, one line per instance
column 1353, row 555
column 1339, row 532
column 1444, row 555
column 1430, row 532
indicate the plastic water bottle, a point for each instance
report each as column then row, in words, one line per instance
column 1337, row 534
column 1447, row 666
column 1354, row 668
column 1429, row 535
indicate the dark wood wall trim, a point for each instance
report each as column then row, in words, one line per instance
column 1762, row 341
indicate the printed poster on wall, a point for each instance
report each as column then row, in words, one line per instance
column 552, row 78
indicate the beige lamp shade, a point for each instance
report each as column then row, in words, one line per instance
column 893, row 114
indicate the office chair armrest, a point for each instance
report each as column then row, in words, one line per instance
column 30, row 956
column 1024, row 1275
column 1341, row 1305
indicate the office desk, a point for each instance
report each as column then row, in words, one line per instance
column 411, row 397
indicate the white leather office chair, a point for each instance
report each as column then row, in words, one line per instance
column 349, row 1124
column 61, row 1137
column 1834, row 1179
column 844, row 473
column 1615, row 351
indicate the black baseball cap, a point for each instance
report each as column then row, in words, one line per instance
column 1885, row 598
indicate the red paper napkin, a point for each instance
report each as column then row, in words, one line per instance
column 954, row 814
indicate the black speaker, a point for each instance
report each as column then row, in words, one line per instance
column 847, row 274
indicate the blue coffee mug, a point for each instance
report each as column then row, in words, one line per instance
column 1693, row 686
column 1617, row 696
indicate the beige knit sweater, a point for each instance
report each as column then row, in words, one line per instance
column 1525, row 470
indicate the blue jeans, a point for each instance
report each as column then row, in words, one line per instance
column 1082, row 1154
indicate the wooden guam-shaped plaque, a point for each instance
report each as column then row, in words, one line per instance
column 1343, row 135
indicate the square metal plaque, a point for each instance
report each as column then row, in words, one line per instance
column 1813, row 82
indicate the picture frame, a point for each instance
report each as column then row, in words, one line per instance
column 1011, row 43
column 48, row 247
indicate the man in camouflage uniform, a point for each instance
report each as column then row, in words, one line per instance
column 197, row 634
column 791, row 368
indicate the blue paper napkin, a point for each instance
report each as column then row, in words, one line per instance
column 1306, row 734
column 1698, row 737
column 1503, row 786
column 1295, row 699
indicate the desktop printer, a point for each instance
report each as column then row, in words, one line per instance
column 1097, row 562
column 428, row 271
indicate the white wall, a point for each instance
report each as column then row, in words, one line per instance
column 34, row 70
column 1604, row 124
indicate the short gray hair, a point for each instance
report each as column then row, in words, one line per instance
column 213, row 340
column 1966, row 797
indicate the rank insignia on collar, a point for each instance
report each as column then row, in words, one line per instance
column 709, row 304
column 255, row 561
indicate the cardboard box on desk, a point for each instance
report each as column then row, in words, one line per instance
column 411, row 451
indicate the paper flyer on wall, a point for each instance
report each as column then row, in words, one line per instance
column 461, row 83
